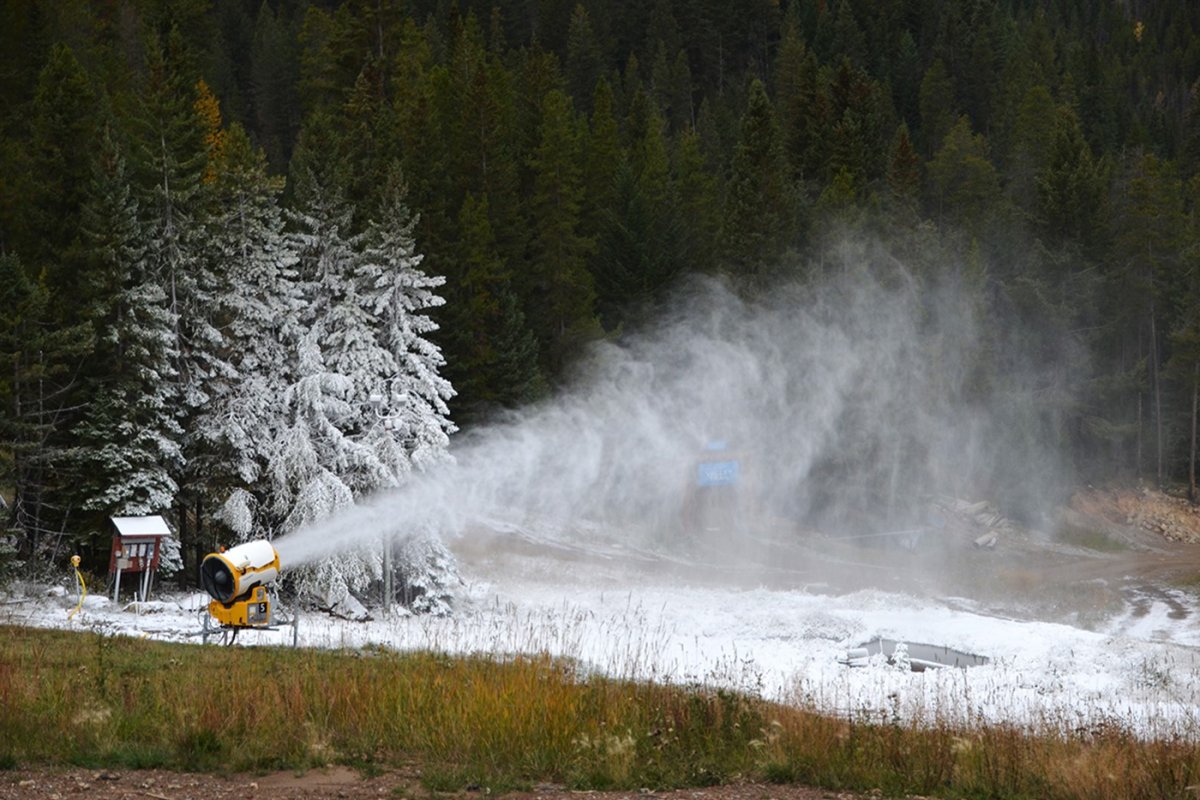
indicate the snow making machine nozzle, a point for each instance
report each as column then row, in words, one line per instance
column 237, row 582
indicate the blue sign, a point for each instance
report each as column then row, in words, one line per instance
column 717, row 473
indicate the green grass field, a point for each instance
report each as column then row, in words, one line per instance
column 97, row 701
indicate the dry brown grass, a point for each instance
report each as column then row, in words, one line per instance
column 104, row 701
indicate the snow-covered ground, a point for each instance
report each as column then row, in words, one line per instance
column 1135, row 670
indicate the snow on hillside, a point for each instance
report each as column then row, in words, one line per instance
column 784, row 644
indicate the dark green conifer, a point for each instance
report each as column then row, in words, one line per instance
column 759, row 211
column 558, row 289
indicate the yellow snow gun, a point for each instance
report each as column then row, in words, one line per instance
column 237, row 581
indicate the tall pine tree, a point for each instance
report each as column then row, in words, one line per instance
column 758, row 207
column 561, row 294
column 257, row 312
column 129, row 442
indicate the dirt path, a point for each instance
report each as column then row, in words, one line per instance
column 340, row 783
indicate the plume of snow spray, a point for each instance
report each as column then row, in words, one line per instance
column 849, row 403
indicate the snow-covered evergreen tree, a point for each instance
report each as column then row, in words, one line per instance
column 170, row 558
column 338, row 322
column 320, row 463
column 398, row 294
column 257, row 309
column 176, row 128
column 312, row 453
column 169, row 161
column 427, row 575
column 366, row 402
column 129, row 438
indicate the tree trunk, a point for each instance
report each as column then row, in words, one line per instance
column 37, row 453
column 893, row 481
column 379, row 28
column 185, row 542
column 18, row 462
column 1192, row 452
column 1137, row 455
column 1157, row 383
column 198, row 533
column 720, row 66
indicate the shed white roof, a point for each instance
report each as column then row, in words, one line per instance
column 142, row 526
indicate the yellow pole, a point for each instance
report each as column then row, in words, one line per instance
column 82, row 586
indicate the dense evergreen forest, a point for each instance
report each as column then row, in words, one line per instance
column 223, row 220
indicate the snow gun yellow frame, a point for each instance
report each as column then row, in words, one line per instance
column 237, row 582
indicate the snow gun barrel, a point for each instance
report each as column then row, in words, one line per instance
column 237, row 582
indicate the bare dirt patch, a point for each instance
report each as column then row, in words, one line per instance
column 335, row 783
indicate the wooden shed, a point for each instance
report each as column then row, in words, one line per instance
column 136, row 550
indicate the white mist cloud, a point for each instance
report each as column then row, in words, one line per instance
column 847, row 402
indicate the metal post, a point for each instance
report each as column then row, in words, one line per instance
column 387, row 575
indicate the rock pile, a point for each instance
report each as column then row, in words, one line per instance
column 1173, row 518
column 982, row 521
